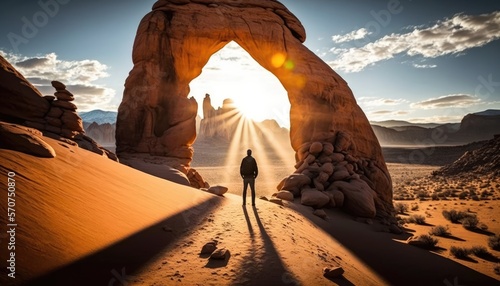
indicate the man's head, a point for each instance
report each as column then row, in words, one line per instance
column 249, row 152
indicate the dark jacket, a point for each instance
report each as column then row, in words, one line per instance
column 248, row 168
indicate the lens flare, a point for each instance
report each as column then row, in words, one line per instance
column 278, row 60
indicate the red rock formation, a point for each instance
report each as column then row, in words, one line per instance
column 175, row 41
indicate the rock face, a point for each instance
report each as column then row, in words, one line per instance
column 26, row 140
column 176, row 39
column 54, row 116
column 482, row 161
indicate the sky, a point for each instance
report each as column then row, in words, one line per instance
column 419, row 61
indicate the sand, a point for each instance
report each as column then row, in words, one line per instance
column 86, row 220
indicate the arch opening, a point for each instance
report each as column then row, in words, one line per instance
column 261, row 111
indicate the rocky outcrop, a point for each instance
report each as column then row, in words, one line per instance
column 219, row 122
column 482, row 161
column 52, row 115
column 24, row 139
column 175, row 41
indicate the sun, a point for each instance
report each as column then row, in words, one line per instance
column 250, row 108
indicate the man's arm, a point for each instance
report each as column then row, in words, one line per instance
column 256, row 169
column 241, row 168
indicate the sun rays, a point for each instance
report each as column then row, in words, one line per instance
column 268, row 151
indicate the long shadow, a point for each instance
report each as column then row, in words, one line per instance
column 453, row 237
column 269, row 262
column 394, row 261
column 116, row 264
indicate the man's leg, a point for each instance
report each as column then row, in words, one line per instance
column 252, row 188
column 245, row 186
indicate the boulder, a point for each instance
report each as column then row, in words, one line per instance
column 316, row 148
column 72, row 121
column 359, row 198
column 328, row 149
column 314, row 198
column 24, row 139
column 64, row 104
column 295, row 181
column 285, row 195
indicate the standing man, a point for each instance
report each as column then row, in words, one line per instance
column 249, row 171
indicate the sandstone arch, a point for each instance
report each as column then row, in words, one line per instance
column 176, row 39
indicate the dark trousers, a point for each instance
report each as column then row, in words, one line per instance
column 246, row 182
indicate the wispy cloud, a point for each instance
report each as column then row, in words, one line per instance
column 354, row 35
column 448, row 101
column 449, row 36
column 375, row 101
column 78, row 76
column 424, row 66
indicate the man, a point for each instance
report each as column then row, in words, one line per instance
column 249, row 171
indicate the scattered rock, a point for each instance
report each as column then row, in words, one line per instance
column 320, row 213
column 208, row 248
column 333, row 272
column 218, row 190
column 263, row 198
column 220, row 254
column 276, row 201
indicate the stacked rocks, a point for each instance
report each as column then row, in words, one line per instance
column 62, row 117
column 328, row 176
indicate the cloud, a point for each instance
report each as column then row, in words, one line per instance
column 448, row 101
column 424, row 66
column 374, row 101
column 449, row 36
column 389, row 112
column 437, row 119
column 354, row 35
column 78, row 76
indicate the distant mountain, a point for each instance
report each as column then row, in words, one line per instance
column 473, row 127
column 99, row 116
column 401, row 123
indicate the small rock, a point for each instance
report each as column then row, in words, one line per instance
column 220, row 254
column 208, row 248
column 276, row 201
column 333, row 272
column 263, row 198
column 320, row 213
column 49, row 98
column 218, row 190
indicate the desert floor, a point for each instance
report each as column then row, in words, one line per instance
column 86, row 220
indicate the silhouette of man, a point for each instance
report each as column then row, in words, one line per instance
column 249, row 171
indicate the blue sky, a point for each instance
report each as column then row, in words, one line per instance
column 421, row 61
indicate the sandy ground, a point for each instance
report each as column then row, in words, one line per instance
column 86, row 220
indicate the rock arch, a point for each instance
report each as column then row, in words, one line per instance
column 176, row 39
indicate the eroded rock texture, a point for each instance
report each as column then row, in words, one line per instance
column 176, row 39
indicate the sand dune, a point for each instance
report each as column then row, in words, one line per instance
column 86, row 220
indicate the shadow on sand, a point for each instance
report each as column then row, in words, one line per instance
column 116, row 264
column 394, row 261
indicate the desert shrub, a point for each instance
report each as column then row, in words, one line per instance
column 470, row 222
column 400, row 208
column 460, row 252
column 427, row 241
column 483, row 226
column 480, row 251
column 418, row 219
column 440, row 231
column 497, row 269
column 414, row 207
column 435, row 197
column 454, row 216
column 475, row 198
column 494, row 242
column 463, row 195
